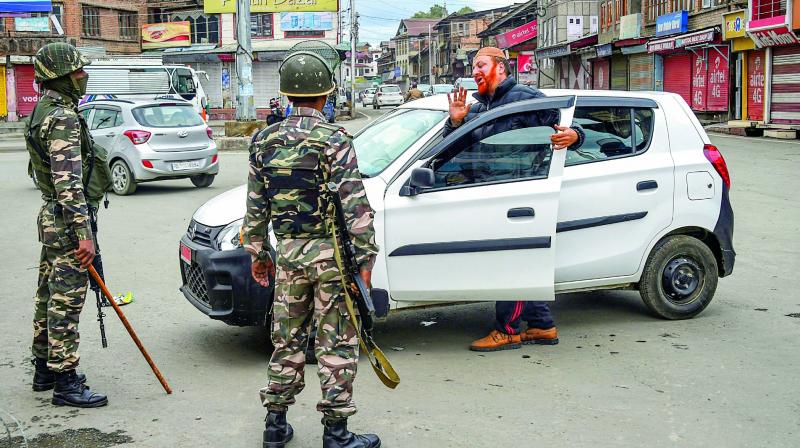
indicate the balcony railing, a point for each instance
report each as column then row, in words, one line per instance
column 765, row 9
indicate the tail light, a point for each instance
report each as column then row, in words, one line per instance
column 137, row 137
column 715, row 157
column 147, row 164
column 214, row 159
column 379, row 94
column 210, row 133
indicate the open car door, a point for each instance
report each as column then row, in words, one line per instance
column 474, row 218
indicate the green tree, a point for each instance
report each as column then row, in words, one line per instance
column 436, row 12
column 465, row 10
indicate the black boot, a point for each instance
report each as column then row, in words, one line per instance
column 277, row 433
column 71, row 392
column 336, row 435
column 44, row 378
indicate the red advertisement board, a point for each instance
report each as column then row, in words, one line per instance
column 27, row 90
column 718, row 79
column 699, row 81
column 756, row 59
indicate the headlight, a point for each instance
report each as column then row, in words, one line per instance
column 228, row 238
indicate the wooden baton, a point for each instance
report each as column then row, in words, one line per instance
column 128, row 327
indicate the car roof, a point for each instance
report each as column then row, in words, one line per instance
column 135, row 102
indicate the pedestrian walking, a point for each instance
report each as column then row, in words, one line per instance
column 63, row 158
column 496, row 87
column 289, row 168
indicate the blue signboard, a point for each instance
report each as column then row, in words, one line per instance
column 306, row 21
column 673, row 23
column 397, row 72
column 26, row 6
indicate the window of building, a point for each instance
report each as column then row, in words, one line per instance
column 204, row 28
column 261, row 25
column 128, row 26
column 765, row 9
column 608, row 133
column 90, row 21
column 303, row 34
column 58, row 13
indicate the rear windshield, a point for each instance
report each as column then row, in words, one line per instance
column 390, row 89
column 167, row 116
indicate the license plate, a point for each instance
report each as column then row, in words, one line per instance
column 186, row 253
column 179, row 166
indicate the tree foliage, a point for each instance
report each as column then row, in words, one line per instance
column 436, row 12
column 465, row 10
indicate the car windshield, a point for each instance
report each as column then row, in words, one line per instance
column 442, row 88
column 468, row 83
column 382, row 143
column 390, row 89
column 167, row 116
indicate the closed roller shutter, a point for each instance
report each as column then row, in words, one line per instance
column 3, row 108
column 619, row 72
column 699, row 80
column 641, row 71
column 677, row 76
column 27, row 95
column 601, row 69
column 265, row 82
column 785, row 107
column 213, row 86
column 719, row 76
column 756, row 60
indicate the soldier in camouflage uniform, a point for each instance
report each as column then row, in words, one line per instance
column 288, row 169
column 59, row 143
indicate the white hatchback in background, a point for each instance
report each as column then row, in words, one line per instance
column 387, row 95
column 485, row 215
column 368, row 97
column 151, row 140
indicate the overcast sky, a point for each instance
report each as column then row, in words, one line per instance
column 379, row 20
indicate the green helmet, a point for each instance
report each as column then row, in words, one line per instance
column 305, row 73
column 56, row 60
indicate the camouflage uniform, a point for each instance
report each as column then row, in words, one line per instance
column 308, row 285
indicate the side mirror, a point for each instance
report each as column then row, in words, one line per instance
column 421, row 179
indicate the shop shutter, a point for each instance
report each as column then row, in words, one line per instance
column 265, row 82
column 785, row 107
column 719, row 76
column 213, row 86
column 27, row 90
column 641, row 71
column 619, row 72
column 677, row 75
column 3, row 101
column 601, row 74
column 699, row 80
column 756, row 60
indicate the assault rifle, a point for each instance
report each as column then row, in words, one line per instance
column 98, row 266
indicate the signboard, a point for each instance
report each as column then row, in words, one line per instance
column 657, row 46
column 165, row 35
column 630, row 26
column 733, row 25
column 306, row 21
column 25, row 6
column 229, row 6
column 695, row 39
column 226, row 78
column 676, row 22
column 552, row 52
column 398, row 72
column 604, row 51
column 518, row 35
column 32, row 24
column 775, row 37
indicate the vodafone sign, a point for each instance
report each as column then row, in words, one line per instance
column 774, row 37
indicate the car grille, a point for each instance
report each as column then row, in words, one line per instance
column 200, row 234
column 195, row 282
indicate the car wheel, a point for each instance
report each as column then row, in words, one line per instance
column 203, row 180
column 122, row 181
column 679, row 278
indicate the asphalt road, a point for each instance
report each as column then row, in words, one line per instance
column 619, row 377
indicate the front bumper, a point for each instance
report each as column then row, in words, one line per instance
column 219, row 284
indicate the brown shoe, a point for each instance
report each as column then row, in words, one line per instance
column 539, row 336
column 496, row 341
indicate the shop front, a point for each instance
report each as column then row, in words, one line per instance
column 552, row 61
column 747, row 69
column 601, row 67
column 3, row 104
column 27, row 91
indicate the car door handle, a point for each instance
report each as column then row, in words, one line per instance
column 521, row 212
column 646, row 185
column 110, row 135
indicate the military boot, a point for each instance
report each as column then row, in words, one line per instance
column 277, row 432
column 69, row 391
column 336, row 435
column 44, row 378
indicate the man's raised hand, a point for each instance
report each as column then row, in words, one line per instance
column 458, row 106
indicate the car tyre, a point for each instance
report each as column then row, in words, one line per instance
column 203, row 180
column 122, row 181
column 679, row 278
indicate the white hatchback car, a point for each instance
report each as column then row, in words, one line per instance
column 642, row 204
column 387, row 95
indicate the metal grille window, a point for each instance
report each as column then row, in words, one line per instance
column 127, row 25
column 765, row 9
column 261, row 25
column 91, row 21
column 204, row 28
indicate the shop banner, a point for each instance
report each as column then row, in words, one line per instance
column 718, row 79
column 630, row 26
column 25, row 6
column 695, row 39
column 552, row 52
column 775, row 37
column 517, row 35
column 32, row 24
column 306, row 21
column 604, row 51
column 165, row 35
column 733, row 25
column 657, row 46
column 229, row 6
column 676, row 22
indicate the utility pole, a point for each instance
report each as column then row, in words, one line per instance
column 245, row 109
column 430, row 56
column 353, row 55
